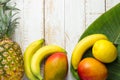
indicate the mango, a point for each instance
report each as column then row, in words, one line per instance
column 56, row 67
column 92, row 69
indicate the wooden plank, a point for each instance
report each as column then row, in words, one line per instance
column 94, row 8
column 111, row 3
column 54, row 22
column 19, row 29
column 74, row 26
column 33, row 21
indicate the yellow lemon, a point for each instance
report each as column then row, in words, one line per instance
column 105, row 51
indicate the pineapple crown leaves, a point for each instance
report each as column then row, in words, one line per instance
column 7, row 21
column 4, row 1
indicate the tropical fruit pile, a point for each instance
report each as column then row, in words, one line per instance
column 93, row 68
column 95, row 57
column 56, row 65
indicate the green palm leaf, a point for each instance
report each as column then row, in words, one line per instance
column 108, row 24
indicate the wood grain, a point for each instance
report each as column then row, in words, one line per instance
column 74, row 26
column 94, row 8
column 54, row 22
column 18, row 35
column 111, row 3
column 33, row 21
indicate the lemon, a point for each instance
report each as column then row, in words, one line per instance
column 105, row 51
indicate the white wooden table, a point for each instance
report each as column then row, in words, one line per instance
column 59, row 22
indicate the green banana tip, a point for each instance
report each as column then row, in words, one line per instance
column 74, row 73
column 40, row 77
column 42, row 39
column 65, row 51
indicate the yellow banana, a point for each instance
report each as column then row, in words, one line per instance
column 82, row 46
column 40, row 55
column 30, row 50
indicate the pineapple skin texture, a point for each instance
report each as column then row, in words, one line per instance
column 11, row 60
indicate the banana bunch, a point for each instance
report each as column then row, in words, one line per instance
column 33, row 56
column 80, row 49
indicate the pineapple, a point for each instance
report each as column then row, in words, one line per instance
column 11, row 59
